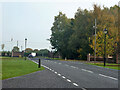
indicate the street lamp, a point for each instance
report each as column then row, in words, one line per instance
column 105, row 32
column 25, row 46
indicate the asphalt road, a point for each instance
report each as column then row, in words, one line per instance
column 65, row 74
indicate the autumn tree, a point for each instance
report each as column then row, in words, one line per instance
column 110, row 44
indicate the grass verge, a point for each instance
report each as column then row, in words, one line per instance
column 13, row 66
column 108, row 65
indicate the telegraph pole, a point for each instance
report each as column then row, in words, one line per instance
column 95, row 27
column 25, row 46
column 17, row 43
column 21, row 48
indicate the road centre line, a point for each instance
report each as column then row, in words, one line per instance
column 83, row 89
column 59, row 74
column 55, row 72
column 73, row 67
column 87, row 70
column 108, row 77
column 68, row 80
column 66, row 65
column 75, row 84
column 63, row 77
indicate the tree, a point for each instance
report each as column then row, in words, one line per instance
column 74, row 38
column 36, row 50
column 15, row 49
column 43, row 52
column 110, row 44
column 28, row 50
column 61, row 32
column 79, row 40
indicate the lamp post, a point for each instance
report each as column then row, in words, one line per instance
column 25, row 47
column 105, row 32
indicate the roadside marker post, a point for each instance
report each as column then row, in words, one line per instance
column 39, row 64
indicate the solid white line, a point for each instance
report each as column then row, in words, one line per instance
column 75, row 84
column 67, row 65
column 108, row 76
column 59, row 74
column 59, row 63
column 68, row 80
column 63, row 77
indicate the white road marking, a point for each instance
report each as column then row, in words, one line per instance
column 55, row 72
column 75, row 84
column 59, row 74
column 83, row 89
column 87, row 70
column 108, row 76
column 52, row 70
column 73, row 67
column 68, row 80
column 63, row 77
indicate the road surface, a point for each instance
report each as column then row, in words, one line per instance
column 66, row 74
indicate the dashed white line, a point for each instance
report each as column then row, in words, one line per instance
column 87, row 70
column 75, row 84
column 108, row 76
column 83, row 89
column 73, row 67
column 63, row 77
column 66, row 65
column 59, row 74
column 52, row 70
column 55, row 72
column 68, row 80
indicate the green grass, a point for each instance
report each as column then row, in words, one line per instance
column 12, row 67
column 108, row 65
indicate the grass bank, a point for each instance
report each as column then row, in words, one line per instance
column 13, row 66
column 108, row 65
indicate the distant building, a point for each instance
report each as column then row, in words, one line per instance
column 17, row 54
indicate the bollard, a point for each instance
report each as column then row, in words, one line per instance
column 39, row 64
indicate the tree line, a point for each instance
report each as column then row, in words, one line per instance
column 27, row 51
column 74, row 38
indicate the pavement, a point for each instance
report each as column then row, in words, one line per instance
column 65, row 74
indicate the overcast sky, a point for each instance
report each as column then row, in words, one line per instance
column 33, row 19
